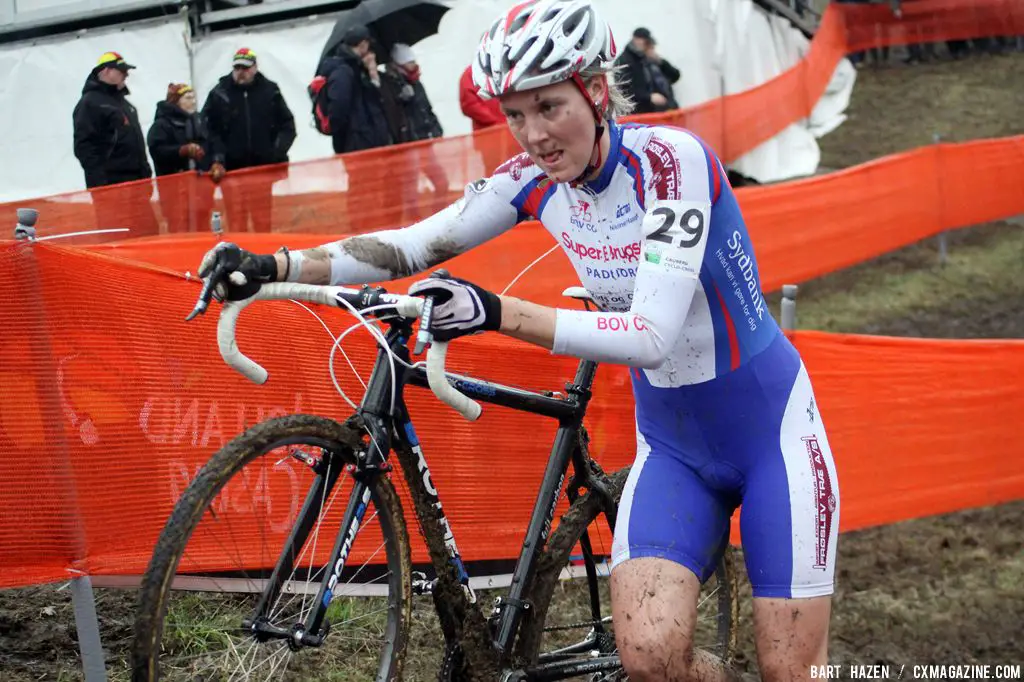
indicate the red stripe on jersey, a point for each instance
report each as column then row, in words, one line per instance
column 734, row 342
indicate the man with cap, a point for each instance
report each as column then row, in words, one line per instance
column 249, row 125
column 647, row 77
column 110, row 145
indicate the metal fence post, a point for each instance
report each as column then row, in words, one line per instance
column 789, row 307
column 87, row 626
column 942, row 237
column 86, row 623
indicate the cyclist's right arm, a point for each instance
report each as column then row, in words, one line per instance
column 484, row 212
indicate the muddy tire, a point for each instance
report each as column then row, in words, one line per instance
column 268, row 463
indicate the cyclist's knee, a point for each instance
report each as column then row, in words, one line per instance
column 657, row 656
column 654, row 605
column 792, row 636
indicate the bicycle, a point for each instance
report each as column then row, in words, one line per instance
column 293, row 605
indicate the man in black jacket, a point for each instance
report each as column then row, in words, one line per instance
column 249, row 124
column 647, row 77
column 353, row 95
column 110, row 146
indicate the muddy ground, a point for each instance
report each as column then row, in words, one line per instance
column 947, row 589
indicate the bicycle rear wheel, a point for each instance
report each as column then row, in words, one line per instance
column 571, row 621
column 278, row 490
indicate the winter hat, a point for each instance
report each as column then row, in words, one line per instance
column 402, row 54
column 112, row 59
column 356, row 34
column 244, row 57
column 175, row 91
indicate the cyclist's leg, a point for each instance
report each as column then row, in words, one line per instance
column 670, row 533
column 790, row 526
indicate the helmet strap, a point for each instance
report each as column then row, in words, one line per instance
column 598, row 112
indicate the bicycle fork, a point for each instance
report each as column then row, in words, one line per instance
column 329, row 470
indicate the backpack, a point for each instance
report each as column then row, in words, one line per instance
column 317, row 90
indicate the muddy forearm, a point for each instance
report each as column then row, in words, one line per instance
column 360, row 260
column 309, row 266
column 482, row 214
column 528, row 321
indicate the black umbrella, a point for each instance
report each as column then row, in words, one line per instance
column 390, row 21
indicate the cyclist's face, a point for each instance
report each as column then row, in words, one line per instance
column 555, row 126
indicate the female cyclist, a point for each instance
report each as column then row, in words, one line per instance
column 725, row 413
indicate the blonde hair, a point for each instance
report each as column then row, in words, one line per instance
column 619, row 102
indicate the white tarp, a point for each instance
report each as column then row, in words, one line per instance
column 717, row 44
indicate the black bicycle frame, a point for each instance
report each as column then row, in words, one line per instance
column 386, row 421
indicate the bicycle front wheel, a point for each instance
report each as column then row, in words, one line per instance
column 570, row 627
column 275, row 497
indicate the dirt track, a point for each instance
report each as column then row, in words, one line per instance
column 940, row 590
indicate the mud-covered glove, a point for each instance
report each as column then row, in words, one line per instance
column 460, row 307
column 246, row 271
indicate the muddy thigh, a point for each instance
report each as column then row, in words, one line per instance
column 791, row 636
column 654, row 608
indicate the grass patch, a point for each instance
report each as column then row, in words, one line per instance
column 977, row 293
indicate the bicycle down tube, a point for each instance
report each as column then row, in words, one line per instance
column 569, row 411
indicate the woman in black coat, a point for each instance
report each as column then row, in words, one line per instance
column 180, row 147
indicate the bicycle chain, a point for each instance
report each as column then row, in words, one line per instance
column 573, row 626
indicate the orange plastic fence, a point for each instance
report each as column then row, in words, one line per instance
column 382, row 188
column 802, row 229
column 112, row 402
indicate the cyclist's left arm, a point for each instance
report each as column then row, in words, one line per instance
column 675, row 237
column 484, row 212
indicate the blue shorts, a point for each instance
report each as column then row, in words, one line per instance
column 752, row 437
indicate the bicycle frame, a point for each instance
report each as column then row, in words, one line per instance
column 392, row 430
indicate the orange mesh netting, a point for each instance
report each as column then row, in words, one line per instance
column 802, row 229
column 112, row 403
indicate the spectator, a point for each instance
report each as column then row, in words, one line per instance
column 249, row 125
column 411, row 118
column 354, row 100
column 647, row 77
column 495, row 148
column 179, row 142
column 484, row 113
column 110, row 146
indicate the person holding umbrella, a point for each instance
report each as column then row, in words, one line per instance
column 354, row 104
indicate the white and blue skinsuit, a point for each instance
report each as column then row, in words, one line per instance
column 725, row 413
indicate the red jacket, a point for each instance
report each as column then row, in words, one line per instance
column 483, row 113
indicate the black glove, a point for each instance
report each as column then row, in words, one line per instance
column 460, row 307
column 246, row 271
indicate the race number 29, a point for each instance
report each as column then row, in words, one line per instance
column 691, row 227
column 677, row 233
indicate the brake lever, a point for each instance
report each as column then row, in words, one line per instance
column 207, row 292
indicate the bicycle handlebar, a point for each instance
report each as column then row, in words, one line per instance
column 406, row 306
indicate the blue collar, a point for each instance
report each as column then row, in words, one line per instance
column 608, row 169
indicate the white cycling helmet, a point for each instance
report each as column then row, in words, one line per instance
column 541, row 42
